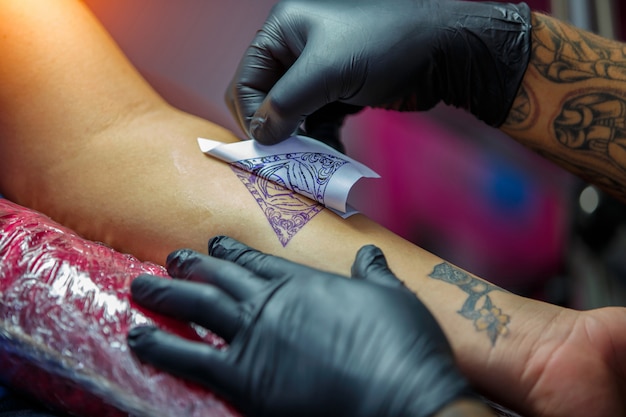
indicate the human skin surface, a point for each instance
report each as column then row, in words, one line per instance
column 87, row 141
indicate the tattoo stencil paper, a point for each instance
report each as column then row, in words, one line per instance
column 279, row 176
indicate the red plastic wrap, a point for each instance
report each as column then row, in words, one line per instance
column 65, row 310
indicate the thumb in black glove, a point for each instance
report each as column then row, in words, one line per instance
column 301, row 341
column 402, row 54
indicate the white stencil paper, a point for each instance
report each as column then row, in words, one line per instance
column 301, row 164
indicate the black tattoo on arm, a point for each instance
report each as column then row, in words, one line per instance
column 588, row 127
column 523, row 113
column 575, row 55
column 591, row 127
column 592, row 123
column 486, row 317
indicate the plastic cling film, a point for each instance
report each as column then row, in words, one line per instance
column 65, row 310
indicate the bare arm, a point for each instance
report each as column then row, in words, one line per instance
column 87, row 141
column 571, row 106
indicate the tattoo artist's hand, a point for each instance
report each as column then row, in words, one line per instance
column 402, row 54
column 301, row 341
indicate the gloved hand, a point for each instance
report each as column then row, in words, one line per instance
column 402, row 54
column 301, row 341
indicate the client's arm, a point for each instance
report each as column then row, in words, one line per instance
column 86, row 140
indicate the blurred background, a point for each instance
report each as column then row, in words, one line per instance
column 450, row 184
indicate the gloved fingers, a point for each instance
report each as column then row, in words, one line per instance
column 262, row 65
column 195, row 361
column 205, row 305
column 244, row 97
column 304, row 88
column 259, row 263
column 190, row 265
column 371, row 265
column 325, row 123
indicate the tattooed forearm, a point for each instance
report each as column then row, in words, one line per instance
column 571, row 108
column 523, row 113
column 486, row 316
column 594, row 123
column 591, row 126
column 574, row 55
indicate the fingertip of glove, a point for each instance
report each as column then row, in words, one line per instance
column 141, row 282
column 144, row 289
column 178, row 260
column 140, row 331
column 224, row 247
column 215, row 244
column 270, row 131
column 364, row 260
column 255, row 130
column 371, row 254
column 178, row 255
column 138, row 336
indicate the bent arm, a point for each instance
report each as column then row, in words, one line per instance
column 571, row 106
column 86, row 140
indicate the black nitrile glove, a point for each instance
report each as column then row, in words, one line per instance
column 302, row 342
column 325, row 123
column 400, row 54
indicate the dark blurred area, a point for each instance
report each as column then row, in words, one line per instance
column 450, row 184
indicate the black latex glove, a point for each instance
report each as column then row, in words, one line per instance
column 325, row 123
column 302, row 342
column 399, row 54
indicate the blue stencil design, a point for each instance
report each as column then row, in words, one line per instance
column 306, row 173
column 286, row 211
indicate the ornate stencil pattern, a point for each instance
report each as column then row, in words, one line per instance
column 306, row 173
column 286, row 211
column 279, row 182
